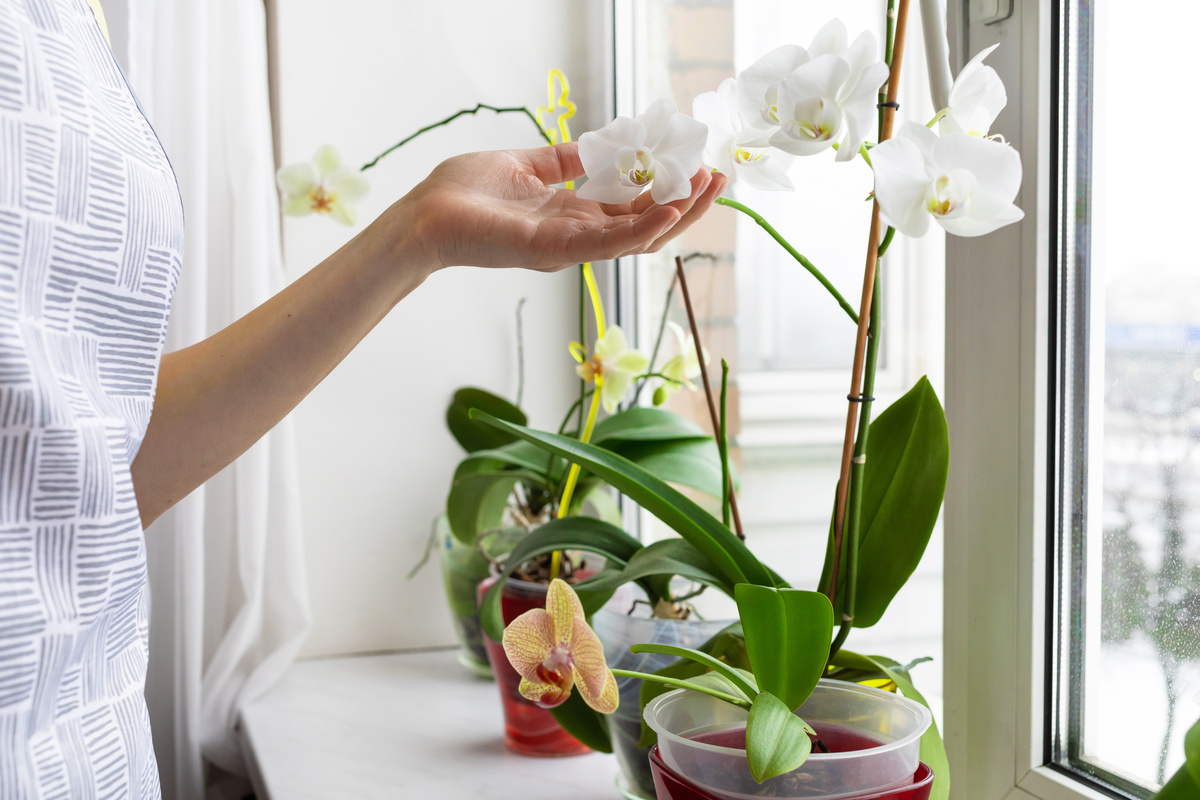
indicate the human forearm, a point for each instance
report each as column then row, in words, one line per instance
column 218, row 397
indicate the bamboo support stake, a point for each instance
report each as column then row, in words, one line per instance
column 864, row 312
column 718, row 433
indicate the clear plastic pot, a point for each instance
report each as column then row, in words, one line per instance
column 618, row 631
column 874, row 737
column 463, row 567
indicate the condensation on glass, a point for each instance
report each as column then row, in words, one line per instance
column 1124, row 660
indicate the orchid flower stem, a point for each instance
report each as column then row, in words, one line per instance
column 936, row 118
column 723, row 444
column 804, row 262
column 478, row 107
column 866, row 155
column 682, row 684
column 887, row 241
column 708, row 392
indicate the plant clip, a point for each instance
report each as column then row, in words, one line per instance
column 860, row 399
column 892, row 104
column 557, row 90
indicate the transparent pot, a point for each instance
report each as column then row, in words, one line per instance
column 874, row 739
column 618, row 631
column 463, row 567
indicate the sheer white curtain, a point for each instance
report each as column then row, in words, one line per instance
column 229, row 600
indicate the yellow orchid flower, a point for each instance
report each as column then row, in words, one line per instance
column 612, row 366
column 679, row 370
column 321, row 186
column 553, row 650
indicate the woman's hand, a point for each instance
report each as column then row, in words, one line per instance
column 499, row 209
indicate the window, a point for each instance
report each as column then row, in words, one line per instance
column 1125, row 544
column 788, row 344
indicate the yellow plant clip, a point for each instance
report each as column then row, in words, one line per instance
column 557, row 90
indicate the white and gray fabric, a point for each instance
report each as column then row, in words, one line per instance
column 91, row 236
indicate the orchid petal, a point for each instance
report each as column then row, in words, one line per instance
column 831, row 38
column 656, row 120
column 349, row 184
column 342, row 213
column 326, row 161
column 595, row 681
column 563, row 607
column 900, row 185
column 758, row 84
column 611, row 344
column 297, row 180
column 976, row 98
column 631, row 361
column 612, row 393
column 546, row 695
column 528, row 641
column 297, row 206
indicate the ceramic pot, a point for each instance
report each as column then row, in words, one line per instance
column 873, row 737
column 529, row 729
column 618, row 631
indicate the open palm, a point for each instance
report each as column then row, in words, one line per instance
column 500, row 209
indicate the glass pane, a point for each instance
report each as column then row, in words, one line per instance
column 1129, row 682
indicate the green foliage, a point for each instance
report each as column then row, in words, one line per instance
column 471, row 435
column 639, row 424
column 477, row 499
column 730, row 556
column 776, row 739
column 933, row 749
column 1185, row 784
column 584, row 723
column 745, row 685
column 662, row 559
column 904, row 481
column 787, row 636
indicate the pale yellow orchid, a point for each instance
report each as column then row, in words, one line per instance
column 554, row 650
column 612, row 366
column 321, row 186
column 680, row 369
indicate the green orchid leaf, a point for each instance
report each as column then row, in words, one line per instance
column 787, row 636
column 521, row 455
column 777, row 741
column 471, row 434
column 693, row 463
column 933, row 749
column 667, row 558
column 904, row 481
column 706, row 533
column 640, row 424
column 727, row 646
column 1191, row 751
column 718, row 681
column 477, row 501
column 584, row 723
column 570, row 533
column 746, row 686
column 600, row 497
column 1182, row 786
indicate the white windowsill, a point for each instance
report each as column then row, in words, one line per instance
column 400, row 725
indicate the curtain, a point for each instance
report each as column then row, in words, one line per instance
column 229, row 600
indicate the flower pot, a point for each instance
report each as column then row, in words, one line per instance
column 874, row 739
column 463, row 567
column 529, row 729
column 619, row 631
column 669, row 785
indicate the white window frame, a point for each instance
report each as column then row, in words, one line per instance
column 997, row 362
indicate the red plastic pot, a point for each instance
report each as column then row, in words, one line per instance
column 529, row 729
column 669, row 785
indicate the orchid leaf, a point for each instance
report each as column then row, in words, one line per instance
column 471, row 434
column 477, row 500
column 693, row 463
column 640, row 424
column 904, row 481
column 933, row 749
column 570, row 533
column 668, row 557
column 1191, row 751
column 787, row 636
column 735, row 562
column 746, row 686
column 600, row 498
column 521, row 455
column 777, row 741
column 584, row 723
column 1182, row 786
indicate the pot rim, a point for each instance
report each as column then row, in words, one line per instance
column 924, row 717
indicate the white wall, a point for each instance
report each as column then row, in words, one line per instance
column 375, row 457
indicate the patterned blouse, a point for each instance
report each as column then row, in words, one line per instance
column 91, row 236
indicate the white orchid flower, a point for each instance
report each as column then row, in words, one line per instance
column 731, row 146
column 976, row 98
column 321, row 186
column 612, row 365
column 831, row 97
column 966, row 183
column 660, row 149
column 680, row 369
column 758, row 85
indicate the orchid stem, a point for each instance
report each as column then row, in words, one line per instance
column 723, row 445
column 804, row 262
column 681, row 684
column 478, row 107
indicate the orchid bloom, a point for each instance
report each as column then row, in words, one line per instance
column 966, row 183
column 612, row 365
column 976, row 98
column 321, row 186
column 553, row 650
column 831, row 97
column 660, row 149
column 679, row 370
column 735, row 149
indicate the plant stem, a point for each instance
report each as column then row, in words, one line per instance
column 895, row 49
column 723, row 445
column 708, row 393
column 682, row 684
column 804, row 262
column 478, row 107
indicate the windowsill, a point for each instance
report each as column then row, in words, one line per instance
column 411, row 725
